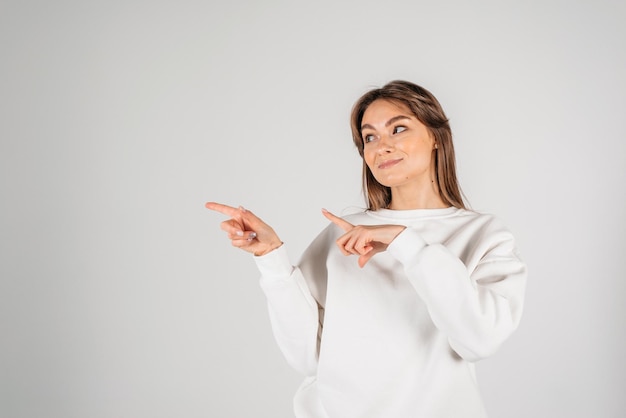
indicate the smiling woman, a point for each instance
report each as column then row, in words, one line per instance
column 399, row 152
column 424, row 118
column 434, row 287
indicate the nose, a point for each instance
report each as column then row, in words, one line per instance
column 385, row 145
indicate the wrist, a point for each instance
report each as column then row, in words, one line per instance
column 397, row 230
column 268, row 250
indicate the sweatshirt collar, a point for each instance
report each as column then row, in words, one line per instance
column 414, row 213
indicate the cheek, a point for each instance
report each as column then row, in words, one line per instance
column 421, row 151
column 369, row 158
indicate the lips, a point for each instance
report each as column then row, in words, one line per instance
column 389, row 163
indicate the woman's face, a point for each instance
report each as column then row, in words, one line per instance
column 397, row 147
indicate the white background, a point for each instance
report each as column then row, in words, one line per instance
column 121, row 297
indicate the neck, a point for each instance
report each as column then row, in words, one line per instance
column 423, row 197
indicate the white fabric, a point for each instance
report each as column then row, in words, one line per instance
column 397, row 338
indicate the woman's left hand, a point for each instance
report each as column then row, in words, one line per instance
column 363, row 240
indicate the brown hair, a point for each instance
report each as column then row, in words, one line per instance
column 427, row 110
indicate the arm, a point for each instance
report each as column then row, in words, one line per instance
column 477, row 306
column 294, row 309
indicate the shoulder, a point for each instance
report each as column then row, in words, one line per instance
column 490, row 231
column 488, row 221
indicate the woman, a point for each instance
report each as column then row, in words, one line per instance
column 432, row 288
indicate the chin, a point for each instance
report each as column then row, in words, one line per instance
column 388, row 182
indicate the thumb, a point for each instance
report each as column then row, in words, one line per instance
column 250, row 218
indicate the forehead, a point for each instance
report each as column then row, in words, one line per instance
column 381, row 110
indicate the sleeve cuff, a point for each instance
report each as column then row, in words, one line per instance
column 275, row 264
column 406, row 245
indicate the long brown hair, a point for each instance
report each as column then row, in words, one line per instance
column 427, row 110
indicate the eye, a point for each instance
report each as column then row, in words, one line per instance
column 368, row 138
column 398, row 129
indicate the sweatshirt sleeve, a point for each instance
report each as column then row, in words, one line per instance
column 477, row 303
column 295, row 315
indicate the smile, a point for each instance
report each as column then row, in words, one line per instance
column 389, row 163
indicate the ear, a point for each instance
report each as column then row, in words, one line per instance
column 432, row 137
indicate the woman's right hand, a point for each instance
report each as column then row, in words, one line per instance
column 246, row 231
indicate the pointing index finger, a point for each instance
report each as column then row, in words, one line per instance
column 340, row 222
column 224, row 209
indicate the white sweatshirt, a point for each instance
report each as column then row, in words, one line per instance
column 397, row 338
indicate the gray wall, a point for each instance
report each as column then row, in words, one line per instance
column 119, row 294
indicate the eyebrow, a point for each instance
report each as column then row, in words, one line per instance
column 389, row 122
